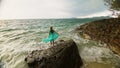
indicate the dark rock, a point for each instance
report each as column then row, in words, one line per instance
column 1, row 64
column 64, row 55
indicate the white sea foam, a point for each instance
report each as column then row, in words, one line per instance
column 19, row 37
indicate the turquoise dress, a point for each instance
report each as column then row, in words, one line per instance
column 52, row 36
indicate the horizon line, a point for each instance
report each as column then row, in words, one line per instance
column 53, row 18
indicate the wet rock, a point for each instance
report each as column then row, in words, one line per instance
column 86, row 36
column 1, row 64
column 64, row 55
column 106, row 30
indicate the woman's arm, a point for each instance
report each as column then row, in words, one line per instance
column 56, row 32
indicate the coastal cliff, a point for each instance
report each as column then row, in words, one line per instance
column 105, row 31
column 64, row 55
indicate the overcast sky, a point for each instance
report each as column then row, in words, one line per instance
column 19, row 9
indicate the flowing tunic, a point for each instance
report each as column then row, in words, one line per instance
column 52, row 36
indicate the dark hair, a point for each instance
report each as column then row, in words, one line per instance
column 51, row 29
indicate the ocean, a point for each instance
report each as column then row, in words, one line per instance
column 20, row 37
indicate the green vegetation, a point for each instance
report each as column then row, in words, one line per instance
column 114, row 5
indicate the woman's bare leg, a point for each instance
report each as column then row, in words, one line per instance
column 53, row 42
column 50, row 43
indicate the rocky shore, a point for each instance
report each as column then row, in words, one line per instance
column 105, row 31
column 63, row 55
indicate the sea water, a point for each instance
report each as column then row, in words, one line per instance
column 20, row 37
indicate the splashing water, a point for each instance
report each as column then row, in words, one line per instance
column 96, row 55
column 19, row 37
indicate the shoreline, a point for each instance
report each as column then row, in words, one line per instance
column 106, row 31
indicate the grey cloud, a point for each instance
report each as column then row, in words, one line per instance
column 50, row 8
column 86, row 7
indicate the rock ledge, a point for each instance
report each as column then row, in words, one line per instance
column 64, row 55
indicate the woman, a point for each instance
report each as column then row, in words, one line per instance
column 53, row 35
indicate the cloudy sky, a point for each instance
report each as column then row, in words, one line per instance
column 24, row 9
